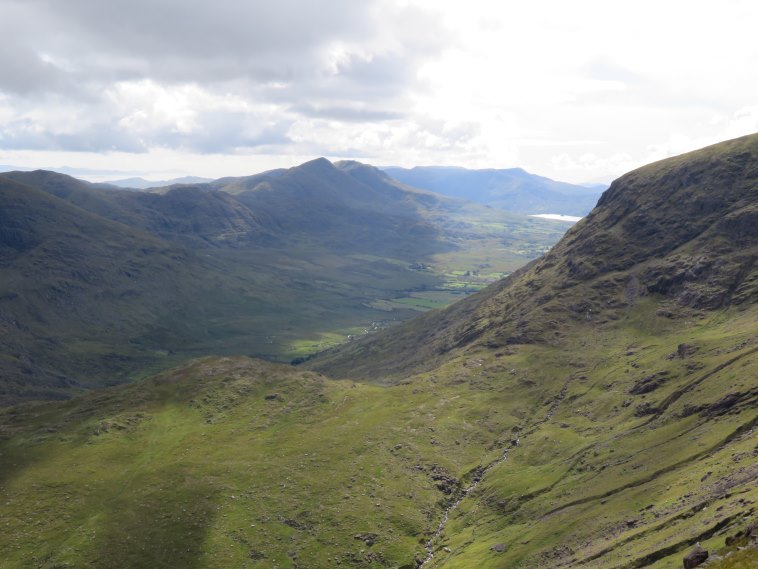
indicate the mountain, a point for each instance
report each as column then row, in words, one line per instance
column 510, row 189
column 185, row 214
column 68, row 277
column 319, row 199
column 142, row 184
column 682, row 228
column 109, row 284
column 597, row 409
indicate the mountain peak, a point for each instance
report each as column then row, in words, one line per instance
column 317, row 165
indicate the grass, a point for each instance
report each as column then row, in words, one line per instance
column 595, row 476
column 236, row 462
column 212, row 455
column 620, row 381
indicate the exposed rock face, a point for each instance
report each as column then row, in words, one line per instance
column 645, row 409
column 649, row 383
column 443, row 481
column 743, row 537
column 729, row 401
column 695, row 557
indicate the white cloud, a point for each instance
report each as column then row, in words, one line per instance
column 576, row 91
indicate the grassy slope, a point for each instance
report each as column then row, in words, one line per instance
column 197, row 468
column 684, row 228
column 628, row 423
column 598, row 485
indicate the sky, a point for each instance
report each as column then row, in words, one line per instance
column 579, row 91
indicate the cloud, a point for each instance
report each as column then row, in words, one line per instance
column 575, row 91
column 347, row 112
column 209, row 78
column 191, row 40
column 27, row 134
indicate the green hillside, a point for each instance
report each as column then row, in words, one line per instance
column 103, row 285
column 683, row 231
column 236, row 462
column 596, row 409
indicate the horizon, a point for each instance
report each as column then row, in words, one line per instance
column 562, row 94
column 105, row 176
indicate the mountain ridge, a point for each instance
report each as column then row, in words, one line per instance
column 273, row 271
column 512, row 189
column 139, row 183
column 596, row 246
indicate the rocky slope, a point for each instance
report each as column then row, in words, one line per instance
column 683, row 231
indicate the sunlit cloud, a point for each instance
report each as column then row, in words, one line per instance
column 577, row 91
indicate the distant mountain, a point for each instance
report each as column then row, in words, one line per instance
column 142, row 184
column 347, row 206
column 189, row 215
column 595, row 186
column 511, row 189
column 101, row 283
column 77, row 290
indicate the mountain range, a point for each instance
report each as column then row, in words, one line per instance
column 138, row 183
column 512, row 189
column 596, row 408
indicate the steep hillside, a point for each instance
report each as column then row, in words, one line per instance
column 89, row 301
column 512, row 189
column 189, row 215
column 107, row 284
column 597, row 410
column 683, row 231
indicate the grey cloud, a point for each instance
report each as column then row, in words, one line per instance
column 347, row 113
column 28, row 135
column 227, row 40
column 388, row 72
column 281, row 52
column 24, row 72
column 196, row 40
column 362, row 90
column 217, row 132
column 220, row 132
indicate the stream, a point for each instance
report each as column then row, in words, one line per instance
column 479, row 474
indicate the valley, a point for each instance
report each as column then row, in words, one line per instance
column 390, row 284
column 595, row 408
column 276, row 266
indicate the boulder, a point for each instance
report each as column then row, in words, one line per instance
column 695, row 557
